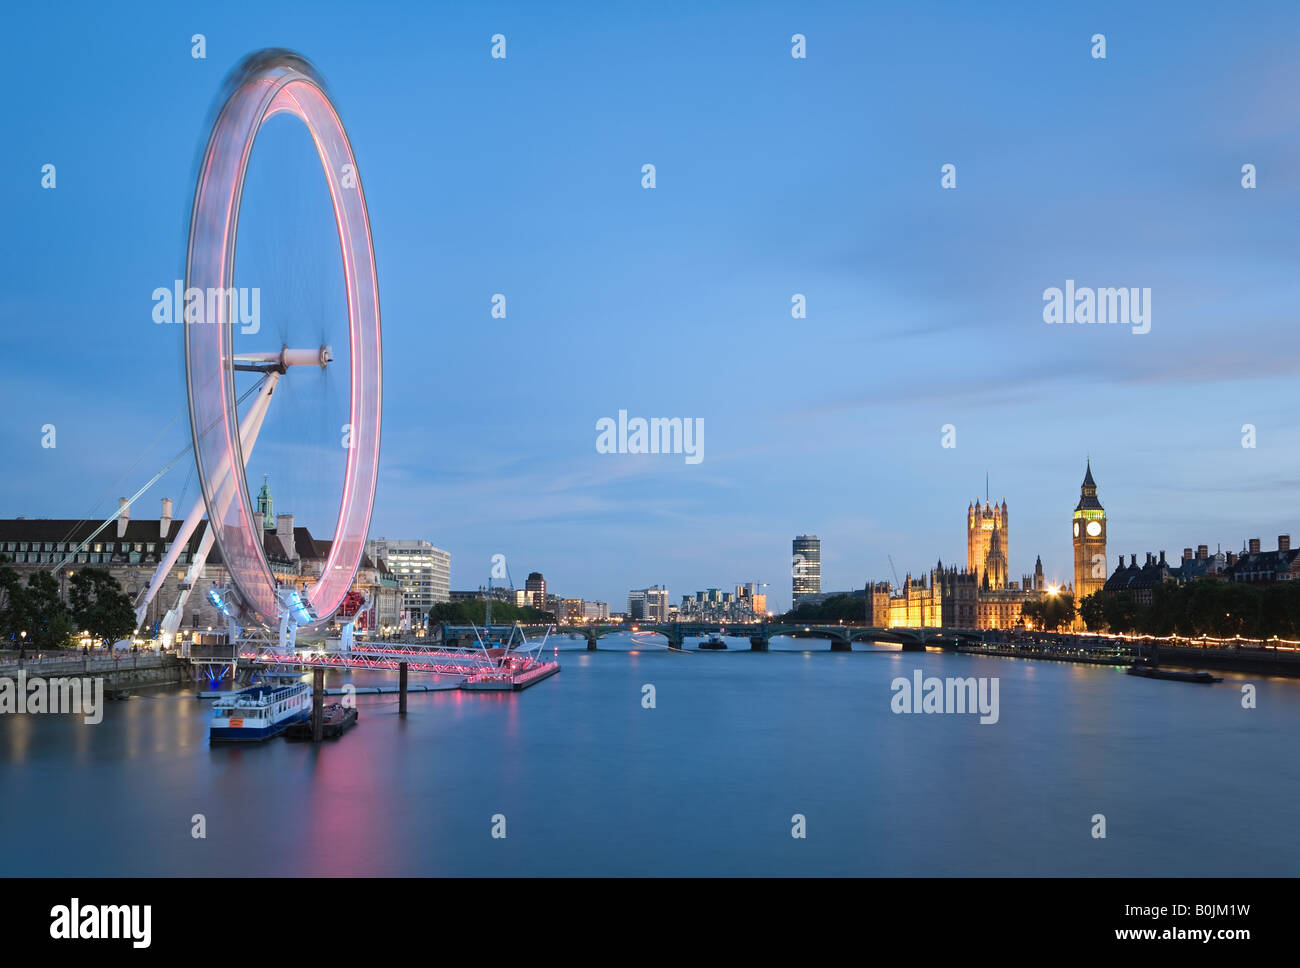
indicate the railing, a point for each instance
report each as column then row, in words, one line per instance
column 69, row 665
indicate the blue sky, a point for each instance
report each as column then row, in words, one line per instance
column 775, row 176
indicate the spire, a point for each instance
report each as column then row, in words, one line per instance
column 1088, row 492
column 265, row 505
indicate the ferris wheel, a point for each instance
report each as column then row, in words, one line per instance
column 268, row 84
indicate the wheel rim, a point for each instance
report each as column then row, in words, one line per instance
column 268, row 84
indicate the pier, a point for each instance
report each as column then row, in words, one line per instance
column 472, row 670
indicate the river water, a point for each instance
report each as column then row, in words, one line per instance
column 707, row 782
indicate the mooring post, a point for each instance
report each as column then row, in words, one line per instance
column 401, row 688
column 317, row 704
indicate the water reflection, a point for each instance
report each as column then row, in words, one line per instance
column 592, row 782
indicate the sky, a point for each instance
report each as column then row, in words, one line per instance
column 775, row 176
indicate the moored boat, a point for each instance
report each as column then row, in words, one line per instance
column 336, row 719
column 714, row 642
column 1155, row 672
column 258, row 712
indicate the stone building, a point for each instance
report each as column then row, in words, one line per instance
column 988, row 542
column 132, row 549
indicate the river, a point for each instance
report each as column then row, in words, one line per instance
column 583, row 779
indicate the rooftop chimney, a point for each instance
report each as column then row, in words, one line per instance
column 1283, row 542
column 165, row 522
column 284, row 531
column 1202, row 552
column 1187, row 554
column 1132, row 561
column 1232, row 558
column 1254, row 546
column 1162, row 559
column 123, row 516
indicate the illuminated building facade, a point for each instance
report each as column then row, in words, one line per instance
column 1089, row 527
column 988, row 542
column 423, row 571
column 806, row 567
column 535, row 591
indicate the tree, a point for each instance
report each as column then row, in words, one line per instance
column 1120, row 611
column 1059, row 611
column 35, row 609
column 1161, row 616
column 100, row 607
column 15, row 607
column 837, row 608
column 1240, row 610
column 1092, row 611
column 1200, row 605
column 474, row 610
column 1276, row 609
column 1050, row 613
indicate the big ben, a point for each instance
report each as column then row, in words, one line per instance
column 1089, row 540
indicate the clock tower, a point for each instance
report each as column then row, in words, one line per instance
column 1089, row 540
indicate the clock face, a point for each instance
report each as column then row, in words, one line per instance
column 1076, row 529
column 1094, row 528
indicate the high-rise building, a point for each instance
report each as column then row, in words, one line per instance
column 648, row 604
column 656, row 604
column 422, row 571
column 988, row 528
column 751, row 599
column 535, row 590
column 595, row 612
column 806, row 567
column 1089, row 540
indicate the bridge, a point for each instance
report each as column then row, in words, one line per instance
column 760, row 634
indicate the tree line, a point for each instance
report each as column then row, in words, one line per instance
column 1223, row 609
column 836, row 608
column 1052, row 613
column 475, row 610
column 33, row 614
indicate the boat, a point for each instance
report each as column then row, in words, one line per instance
column 1148, row 671
column 258, row 712
column 714, row 642
column 336, row 719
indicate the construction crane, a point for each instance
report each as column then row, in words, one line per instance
column 897, row 584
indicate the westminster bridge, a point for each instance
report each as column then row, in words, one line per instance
column 759, row 634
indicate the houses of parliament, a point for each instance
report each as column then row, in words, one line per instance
column 980, row 595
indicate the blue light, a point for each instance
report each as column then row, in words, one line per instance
column 219, row 602
column 302, row 615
